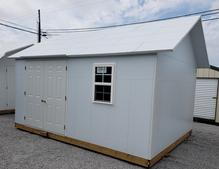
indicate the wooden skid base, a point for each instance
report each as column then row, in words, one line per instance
column 11, row 111
column 103, row 150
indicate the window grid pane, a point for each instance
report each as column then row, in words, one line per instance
column 102, row 93
column 103, row 74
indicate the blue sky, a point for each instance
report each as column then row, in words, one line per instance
column 88, row 13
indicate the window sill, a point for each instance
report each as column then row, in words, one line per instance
column 101, row 102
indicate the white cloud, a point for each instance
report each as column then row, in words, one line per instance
column 88, row 13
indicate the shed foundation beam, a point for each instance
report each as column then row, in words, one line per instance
column 104, row 150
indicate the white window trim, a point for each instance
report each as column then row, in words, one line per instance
column 99, row 83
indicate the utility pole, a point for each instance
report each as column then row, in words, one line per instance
column 39, row 27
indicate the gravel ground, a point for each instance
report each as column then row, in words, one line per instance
column 22, row 150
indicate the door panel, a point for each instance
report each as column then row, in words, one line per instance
column 55, row 89
column 205, row 98
column 34, row 93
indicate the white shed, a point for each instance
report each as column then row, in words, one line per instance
column 7, row 78
column 127, row 91
column 206, row 95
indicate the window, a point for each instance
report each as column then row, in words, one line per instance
column 103, row 83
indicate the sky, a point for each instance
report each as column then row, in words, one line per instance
column 91, row 13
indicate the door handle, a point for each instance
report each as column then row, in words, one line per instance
column 43, row 101
column 214, row 97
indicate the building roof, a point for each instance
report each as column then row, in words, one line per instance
column 214, row 67
column 12, row 48
column 151, row 37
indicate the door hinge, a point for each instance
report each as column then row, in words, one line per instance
column 6, row 87
column 7, row 104
column 24, row 117
column 66, row 68
column 65, row 98
column 64, row 127
column 25, row 93
column 6, row 70
column 25, row 67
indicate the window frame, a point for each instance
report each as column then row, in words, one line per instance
column 112, row 65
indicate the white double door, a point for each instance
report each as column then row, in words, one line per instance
column 46, row 95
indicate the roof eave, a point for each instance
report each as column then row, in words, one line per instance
column 151, row 52
column 116, row 54
column 14, row 51
column 41, row 56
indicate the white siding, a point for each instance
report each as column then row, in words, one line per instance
column 123, row 126
column 20, row 88
column 207, row 73
column 174, row 96
column 11, row 86
column 3, row 91
column 7, row 84
column 205, row 98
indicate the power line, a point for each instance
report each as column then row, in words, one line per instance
column 213, row 13
column 133, row 23
column 72, row 30
column 17, row 28
column 13, row 23
column 24, row 29
column 211, row 19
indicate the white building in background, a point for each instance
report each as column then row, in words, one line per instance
column 7, row 79
column 206, row 95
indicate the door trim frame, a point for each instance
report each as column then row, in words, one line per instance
column 43, row 61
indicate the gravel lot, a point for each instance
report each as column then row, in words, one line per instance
column 22, row 150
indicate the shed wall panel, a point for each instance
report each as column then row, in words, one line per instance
column 216, row 74
column 3, row 91
column 7, row 84
column 207, row 73
column 211, row 73
column 174, row 95
column 20, row 88
column 125, row 124
column 11, row 86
